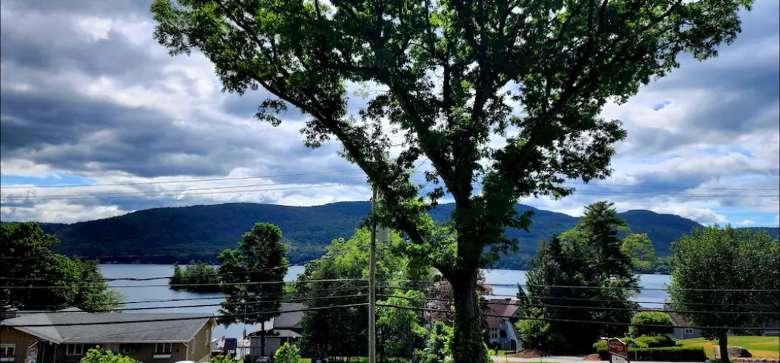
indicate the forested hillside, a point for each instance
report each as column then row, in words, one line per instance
column 199, row 232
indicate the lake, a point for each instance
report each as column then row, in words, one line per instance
column 140, row 290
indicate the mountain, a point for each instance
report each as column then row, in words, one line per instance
column 164, row 235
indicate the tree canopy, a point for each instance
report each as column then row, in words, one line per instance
column 42, row 279
column 503, row 98
column 719, row 272
column 571, row 279
column 253, row 274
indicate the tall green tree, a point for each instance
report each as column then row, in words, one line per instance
column 712, row 260
column 333, row 332
column 254, row 274
column 450, row 78
column 568, row 281
column 43, row 279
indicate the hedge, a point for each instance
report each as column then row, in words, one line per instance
column 671, row 354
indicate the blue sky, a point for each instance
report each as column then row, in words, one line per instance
column 89, row 98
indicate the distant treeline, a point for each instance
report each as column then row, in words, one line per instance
column 195, row 277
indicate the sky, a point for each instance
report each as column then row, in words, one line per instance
column 91, row 102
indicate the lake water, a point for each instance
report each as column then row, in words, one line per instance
column 140, row 290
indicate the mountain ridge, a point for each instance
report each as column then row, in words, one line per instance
column 199, row 232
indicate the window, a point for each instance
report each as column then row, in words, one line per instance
column 688, row 331
column 7, row 352
column 74, row 349
column 162, row 350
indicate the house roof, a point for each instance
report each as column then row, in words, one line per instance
column 290, row 318
column 126, row 331
column 500, row 309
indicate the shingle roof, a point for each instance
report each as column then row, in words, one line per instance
column 500, row 309
column 142, row 332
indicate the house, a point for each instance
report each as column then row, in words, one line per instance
column 501, row 316
column 66, row 335
column 278, row 330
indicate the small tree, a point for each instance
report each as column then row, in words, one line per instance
column 716, row 271
column 287, row 353
column 400, row 330
column 98, row 355
column 651, row 323
column 438, row 346
column 639, row 248
column 254, row 275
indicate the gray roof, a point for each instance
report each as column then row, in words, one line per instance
column 144, row 331
column 289, row 320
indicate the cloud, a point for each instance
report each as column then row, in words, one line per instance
column 88, row 94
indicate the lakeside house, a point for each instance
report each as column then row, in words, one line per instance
column 281, row 329
column 501, row 316
column 147, row 337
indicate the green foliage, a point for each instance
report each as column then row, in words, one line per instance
column 725, row 258
column 401, row 331
column 341, row 332
column 223, row 359
column 448, row 76
column 30, row 261
column 98, row 355
column 651, row 323
column 639, row 248
column 438, row 346
column 202, row 276
column 667, row 354
column 589, row 255
column 259, row 257
column 203, row 231
column 645, row 341
column 287, row 353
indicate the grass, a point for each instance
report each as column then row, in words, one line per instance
column 759, row 346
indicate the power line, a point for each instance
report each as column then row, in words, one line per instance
column 605, row 287
column 180, row 318
column 636, row 301
column 579, row 307
column 13, row 287
column 108, row 279
column 129, row 195
column 580, row 321
column 150, row 182
column 251, row 302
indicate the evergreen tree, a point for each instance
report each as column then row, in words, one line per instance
column 581, row 266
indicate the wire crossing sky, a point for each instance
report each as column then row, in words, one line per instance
column 103, row 121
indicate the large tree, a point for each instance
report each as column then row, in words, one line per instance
column 38, row 278
column 254, row 274
column 502, row 97
column 718, row 273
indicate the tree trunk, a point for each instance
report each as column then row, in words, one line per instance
column 723, row 342
column 467, row 345
column 262, row 339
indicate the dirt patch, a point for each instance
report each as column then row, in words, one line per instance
column 530, row 353
column 594, row 356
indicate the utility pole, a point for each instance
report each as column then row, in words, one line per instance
column 372, row 283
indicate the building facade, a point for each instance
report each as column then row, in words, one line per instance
column 65, row 336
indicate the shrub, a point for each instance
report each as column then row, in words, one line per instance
column 538, row 335
column 98, row 355
column 657, row 341
column 651, row 323
column 287, row 353
column 669, row 354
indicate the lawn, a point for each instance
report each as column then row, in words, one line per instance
column 760, row 347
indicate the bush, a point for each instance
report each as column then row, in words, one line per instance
column 669, row 354
column 646, row 323
column 98, row 355
column 657, row 341
column 538, row 335
column 287, row 353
